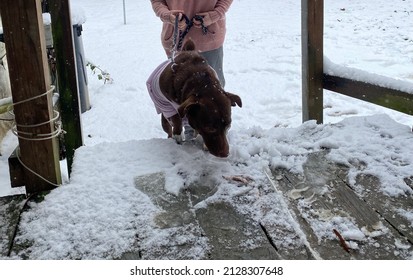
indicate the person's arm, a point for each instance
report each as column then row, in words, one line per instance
column 221, row 8
column 161, row 10
column 166, row 15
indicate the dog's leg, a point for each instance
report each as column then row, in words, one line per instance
column 166, row 126
column 177, row 128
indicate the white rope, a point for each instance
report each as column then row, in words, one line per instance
column 29, row 136
column 31, row 171
column 40, row 136
column 57, row 116
column 52, row 87
column 7, row 120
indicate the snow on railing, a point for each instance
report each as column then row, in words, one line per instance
column 337, row 70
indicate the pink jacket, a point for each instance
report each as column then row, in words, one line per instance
column 216, row 31
column 162, row 104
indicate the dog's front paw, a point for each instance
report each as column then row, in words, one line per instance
column 178, row 138
column 190, row 133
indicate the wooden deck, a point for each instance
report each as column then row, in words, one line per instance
column 321, row 196
column 325, row 188
column 10, row 210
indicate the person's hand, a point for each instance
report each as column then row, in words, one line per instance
column 181, row 22
column 206, row 19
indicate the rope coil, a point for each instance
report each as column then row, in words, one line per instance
column 30, row 136
column 40, row 136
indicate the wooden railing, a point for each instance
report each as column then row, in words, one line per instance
column 314, row 78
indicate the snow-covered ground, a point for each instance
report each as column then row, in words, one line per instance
column 124, row 139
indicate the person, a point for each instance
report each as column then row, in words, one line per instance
column 201, row 20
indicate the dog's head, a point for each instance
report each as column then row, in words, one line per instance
column 208, row 105
column 211, row 117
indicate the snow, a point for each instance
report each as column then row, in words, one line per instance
column 78, row 15
column 99, row 211
column 46, row 19
column 359, row 75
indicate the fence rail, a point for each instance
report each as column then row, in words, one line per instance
column 314, row 78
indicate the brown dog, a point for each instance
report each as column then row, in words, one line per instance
column 189, row 88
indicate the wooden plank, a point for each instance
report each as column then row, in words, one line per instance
column 174, row 221
column 29, row 77
column 229, row 232
column 321, row 199
column 295, row 191
column 10, row 209
column 312, row 26
column 67, row 80
column 224, row 233
column 392, row 209
column 386, row 97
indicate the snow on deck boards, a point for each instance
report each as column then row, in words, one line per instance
column 10, row 208
column 219, row 227
column 368, row 223
column 327, row 219
column 367, row 226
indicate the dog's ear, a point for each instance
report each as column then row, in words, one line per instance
column 235, row 99
column 187, row 105
column 189, row 46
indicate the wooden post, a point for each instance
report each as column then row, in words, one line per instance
column 68, row 89
column 312, row 13
column 29, row 78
